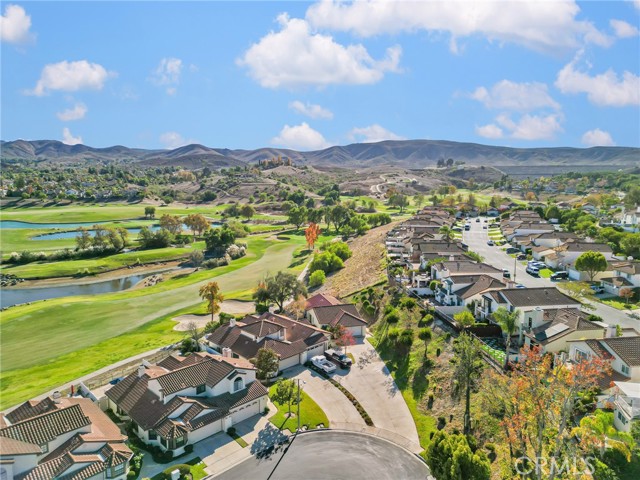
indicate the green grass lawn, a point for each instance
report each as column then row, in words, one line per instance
column 545, row 273
column 46, row 344
column 239, row 440
column 619, row 303
column 197, row 469
column 311, row 414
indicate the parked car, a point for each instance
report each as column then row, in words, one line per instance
column 533, row 271
column 506, row 273
column 484, row 227
column 559, row 276
column 323, row 364
column 512, row 250
column 597, row 288
column 456, row 229
column 494, row 225
column 522, row 256
column 519, row 285
column 340, row 358
column 491, row 243
column 477, row 220
column 467, row 227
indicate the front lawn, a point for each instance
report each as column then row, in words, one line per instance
column 311, row 414
column 545, row 273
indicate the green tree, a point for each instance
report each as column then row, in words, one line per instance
column 451, row 458
column 83, row 239
column 172, row 223
column 464, row 318
column 399, row 200
column 150, row 212
column 447, row 233
column 279, row 288
column 210, row 293
column 247, row 211
column 425, row 335
column 591, row 262
column 597, row 434
column 196, row 257
column 508, row 321
column 197, row 223
column 630, row 245
column 317, row 278
column 419, row 199
column 219, row 239
column 267, row 364
column 467, row 368
column 326, row 261
column 285, row 393
column 297, row 216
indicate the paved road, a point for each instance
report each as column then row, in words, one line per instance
column 333, row 454
column 477, row 239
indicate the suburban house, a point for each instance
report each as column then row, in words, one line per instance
column 345, row 314
column 623, row 352
column 557, row 327
column 625, row 274
column 62, row 438
column 631, row 220
column 462, row 290
column 448, row 268
column 492, row 212
column 182, row 400
column 530, row 302
column 526, row 228
column 626, row 404
column 294, row 342
column 425, row 252
column 565, row 256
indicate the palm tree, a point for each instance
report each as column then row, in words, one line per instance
column 598, row 431
column 508, row 321
column 447, row 233
column 425, row 335
column 210, row 293
column 468, row 366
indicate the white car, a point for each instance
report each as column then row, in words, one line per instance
column 324, row 364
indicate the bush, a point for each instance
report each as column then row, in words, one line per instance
column 184, row 470
column 188, row 448
column 236, row 251
column 327, row 262
column 231, row 431
column 317, row 278
column 340, row 249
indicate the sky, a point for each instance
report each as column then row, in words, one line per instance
column 308, row 75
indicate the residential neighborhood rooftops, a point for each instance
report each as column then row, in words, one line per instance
column 465, row 266
column 627, row 348
column 345, row 314
column 562, row 322
column 536, row 297
column 321, row 300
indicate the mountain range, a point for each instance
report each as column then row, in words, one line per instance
column 401, row 153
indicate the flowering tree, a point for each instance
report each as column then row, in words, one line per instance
column 342, row 337
column 311, row 233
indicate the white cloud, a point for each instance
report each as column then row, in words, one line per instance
column 545, row 26
column 167, row 73
column 507, row 95
column 70, row 76
column 531, row 127
column 68, row 138
column 310, row 110
column 637, row 4
column 373, row 133
column 294, row 56
column 597, row 138
column 489, row 131
column 624, row 29
column 78, row 112
column 173, row 140
column 605, row 89
column 300, row 137
column 15, row 25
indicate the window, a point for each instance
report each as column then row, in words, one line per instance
column 201, row 388
column 580, row 356
column 237, row 384
column 116, row 470
column 622, row 418
column 44, row 447
column 179, row 442
column 153, row 435
column 163, row 441
column 625, row 369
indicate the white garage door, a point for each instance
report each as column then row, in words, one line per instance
column 246, row 411
column 357, row 331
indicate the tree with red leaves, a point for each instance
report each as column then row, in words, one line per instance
column 311, row 233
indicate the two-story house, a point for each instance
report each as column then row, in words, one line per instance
column 61, row 438
column 555, row 328
column 325, row 313
column 625, row 274
column 622, row 352
column 626, row 405
column 182, row 400
column 294, row 342
column 462, row 290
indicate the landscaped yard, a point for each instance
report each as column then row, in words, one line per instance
column 197, row 469
column 311, row 414
column 545, row 273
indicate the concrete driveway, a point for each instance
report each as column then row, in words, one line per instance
column 334, row 403
column 371, row 383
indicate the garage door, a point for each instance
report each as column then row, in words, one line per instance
column 246, row 411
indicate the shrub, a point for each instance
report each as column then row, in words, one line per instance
column 235, row 251
column 317, row 278
column 327, row 262
column 184, row 470
column 340, row 249
column 188, row 448
column 231, row 431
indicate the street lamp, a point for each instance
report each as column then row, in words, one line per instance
column 304, row 383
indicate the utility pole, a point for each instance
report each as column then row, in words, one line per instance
column 515, row 260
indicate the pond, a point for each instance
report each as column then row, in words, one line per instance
column 13, row 296
column 6, row 224
column 74, row 233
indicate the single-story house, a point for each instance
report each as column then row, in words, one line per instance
column 560, row 326
column 294, row 342
column 345, row 314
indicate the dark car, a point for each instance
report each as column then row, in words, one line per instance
column 512, row 250
column 338, row 357
column 522, row 256
column 560, row 276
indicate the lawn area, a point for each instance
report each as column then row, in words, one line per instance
column 620, row 303
column 46, row 344
column 197, row 469
column 545, row 273
column 311, row 414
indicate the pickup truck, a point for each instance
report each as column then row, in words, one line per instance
column 340, row 358
column 323, row 364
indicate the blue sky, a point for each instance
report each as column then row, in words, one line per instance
column 307, row 75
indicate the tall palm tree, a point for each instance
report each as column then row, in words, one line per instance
column 447, row 233
column 468, row 366
column 210, row 293
column 508, row 321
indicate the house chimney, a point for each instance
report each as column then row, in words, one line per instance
column 610, row 331
column 232, row 322
column 141, row 371
column 226, row 352
column 56, row 397
column 451, row 258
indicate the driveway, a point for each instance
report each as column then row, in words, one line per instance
column 334, row 403
column 371, row 383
